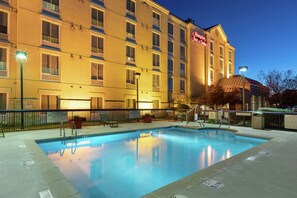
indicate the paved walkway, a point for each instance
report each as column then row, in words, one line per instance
column 269, row 170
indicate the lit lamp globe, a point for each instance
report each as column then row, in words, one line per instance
column 21, row 56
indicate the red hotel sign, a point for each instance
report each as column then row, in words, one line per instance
column 198, row 38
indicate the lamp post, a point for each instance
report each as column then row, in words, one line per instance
column 137, row 76
column 242, row 70
column 21, row 57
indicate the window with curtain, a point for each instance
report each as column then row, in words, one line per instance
column 130, row 29
column 49, row 102
column 97, row 45
column 97, row 71
column 97, row 18
column 3, row 62
column 130, row 54
column 50, row 33
column 3, row 23
column 130, row 7
column 96, row 103
column 50, row 64
column 3, row 101
column 130, row 77
column 156, row 82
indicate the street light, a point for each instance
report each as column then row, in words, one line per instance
column 242, row 70
column 21, row 57
column 137, row 76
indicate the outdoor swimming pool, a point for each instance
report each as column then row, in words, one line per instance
column 136, row 163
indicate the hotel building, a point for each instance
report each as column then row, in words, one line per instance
column 95, row 53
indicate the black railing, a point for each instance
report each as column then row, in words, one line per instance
column 45, row 119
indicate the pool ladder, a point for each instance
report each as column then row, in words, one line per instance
column 62, row 130
column 222, row 120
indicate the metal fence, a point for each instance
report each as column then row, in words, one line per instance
column 10, row 120
column 46, row 119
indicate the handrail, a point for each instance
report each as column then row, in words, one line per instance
column 73, row 127
column 222, row 119
column 189, row 111
column 62, row 128
column 1, row 129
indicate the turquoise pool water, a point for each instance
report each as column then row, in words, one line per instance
column 134, row 164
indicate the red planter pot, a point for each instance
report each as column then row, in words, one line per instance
column 147, row 119
column 77, row 122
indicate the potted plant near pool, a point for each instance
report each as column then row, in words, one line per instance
column 77, row 121
column 147, row 118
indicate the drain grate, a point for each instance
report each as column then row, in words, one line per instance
column 261, row 153
column 213, row 183
column 22, row 146
column 179, row 196
column 45, row 194
column 27, row 163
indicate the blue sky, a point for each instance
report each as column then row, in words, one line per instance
column 264, row 32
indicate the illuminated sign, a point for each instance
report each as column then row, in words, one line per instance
column 198, row 38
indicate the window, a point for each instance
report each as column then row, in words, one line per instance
column 211, row 77
column 221, row 65
column 182, row 53
column 3, row 25
column 96, row 103
column 97, row 18
column 3, row 62
column 170, row 66
column 131, row 104
column 130, row 28
column 182, row 36
column 170, row 47
column 230, row 56
column 156, row 82
column 50, row 33
column 156, row 40
column 130, row 7
column 130, row 77
column 211, row 47
column 230, row 68
column 50, row 65
column 221, row 51
column 97, row 45
column 170, row 29
column 182, row 70
column 182, row 86
column 49, row 102
column 156, row 61
column 211, row 61
column 156, row 104
column 3, row 101
column 156, row 20
column 97, row 71
column 51, row 5
column 170, row 84
column 130, row 54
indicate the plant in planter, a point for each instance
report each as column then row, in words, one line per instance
column 147, row 118
column 77, row 122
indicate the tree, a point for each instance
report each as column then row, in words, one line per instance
column 279, row 81
column 218, row 97
column 215, row 96
column 281, row 84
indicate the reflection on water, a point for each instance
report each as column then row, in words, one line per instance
column 134, row 164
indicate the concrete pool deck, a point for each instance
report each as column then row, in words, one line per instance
column 268, row 170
